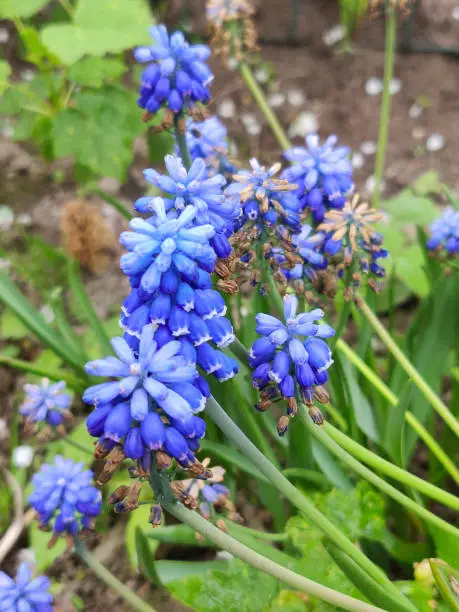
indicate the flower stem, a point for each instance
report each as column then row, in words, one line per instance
column 180, row 137
column 395, row 472
column 225, row 541
column 300, row 501
column 102, row 572
column 416, row 377
column 379, row 384
column 263, row 105
column 53, row 373
column 389, row 57
column 239, row 351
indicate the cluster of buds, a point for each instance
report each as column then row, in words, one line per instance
column 232, row 29
column 376, row 7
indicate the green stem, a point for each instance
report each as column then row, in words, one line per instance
column 114, row 202
column 225, row 541
column 304, row 474
column 379, row 384
column 416, row 377
column 181, row 142
column 262, row 535
column 54, row 374
column 300, row 501
column 263, row 105
column 378, row 482
column 239, row 351
column 389, row 57
column 360, row 452
column 102, row 572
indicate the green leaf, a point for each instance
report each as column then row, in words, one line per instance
column 408, row 208
column 81, row 451
column 332, row 470
column 98, row 28
column 428, row 183
column 11, row 326
column 12, row 9
column 94, row 71
column 5, row 71
column 447, row 581
column 363, row 412
column 409, row 270
column 181, row 535
column 36, row 52
column 238, row 589
column 168, row 571
column 38, row 541
column 137, row 519
column 145, row 556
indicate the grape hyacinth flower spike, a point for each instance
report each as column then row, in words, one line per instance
column 24, row 593
column 444, row 234
column 323, row 174
column 208, row 140
column 64, row 497
column 46, row 403
column 153, row 403
column 290, row 359
column 177, row 77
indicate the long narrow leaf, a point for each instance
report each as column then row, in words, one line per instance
column 53, row 373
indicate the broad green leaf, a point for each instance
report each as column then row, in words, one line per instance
column 168, row 571
column 240, row 588
column 428, row 183
column 137, row 519
column 145, row 556
column 98, row 28
column 81, row 450
column 94, row 71
column 5, row 71
column 363, row 412
column 38, row 541
column 12, row 9
column 406, row 208
column 11, row 326
column 36, row 52
column 330, row 468
column 410, row 272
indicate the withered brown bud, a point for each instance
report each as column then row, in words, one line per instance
column 222, row 525
column 292, row 406
column 156, row 516
column 163, row 460
column 112, row 461
column 228, row 286
column 321, row 395
column 119, row 494
column 316, row 415
column 221, row 269
column 282, row 424
column 198, row 469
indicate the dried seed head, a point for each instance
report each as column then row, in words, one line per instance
column 163, row 460
column 316, row 415
column 156, row 516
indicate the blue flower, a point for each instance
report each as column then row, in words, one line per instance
column 208, row 139
column 25, row 594
column 195, row 188
column 64, row 496
column 166, row 243
column 444, row 232
column 177, row 75
column 263, row 198
column 323, row 174
column 291, row 357
column 158, row 391
column 46, row 402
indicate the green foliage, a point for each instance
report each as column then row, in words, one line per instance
column 11, row 327
column 447, row 581
column 12, row 9
column 350, row 13
column 95, row 71
column 5, row 71
column 98, row 28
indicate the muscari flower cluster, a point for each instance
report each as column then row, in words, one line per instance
column 290, row 359
column 177, row 76
column 444, row 233
column 24, row 593
column 46, row 403
column 233, row 31
column 64, row 497
column 323, row 174
column 208, row 140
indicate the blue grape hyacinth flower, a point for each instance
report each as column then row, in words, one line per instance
column 444, row 232
column 323, row 174
column 46, row 402
column 24, row 593
column 264, row 199
column 291, row 357
column 153, row 403
column 177, row 75
column 208, row 140
column 64, row 497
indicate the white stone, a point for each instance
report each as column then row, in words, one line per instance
column 27, row 555
column 22, row 456
column 276, row 99
column 254, row 129
column 296, row 97
column 232, row 63
column 418, row 133
column 368, row 147
column 415, row 111
column 455, row 13
column 48, row 313
column 374, row 86
column 248, row 119
column 244, row 311
column 27, row 74
column 334, row 35
column 357, row 160
column 262, row 75
column 6, row 218
column 395, row 86
column 5, row 264
column 435, row 142
column 4, row 428
column 226, row 109
column 24, row 219
column 4, row 35
column 370, row 184
column 306, row 123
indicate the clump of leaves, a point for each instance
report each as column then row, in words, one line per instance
column 86, row 236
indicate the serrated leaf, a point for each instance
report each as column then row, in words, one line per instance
column 94, row 71
column 11, row 9
column 98, row 28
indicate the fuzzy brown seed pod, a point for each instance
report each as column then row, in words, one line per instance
column 321, row 395
column 282, row 424
column 163, row 460
column 86, row 236
column 292, row 406
column 228, row 286
column 117, row 495
column 316, row 415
